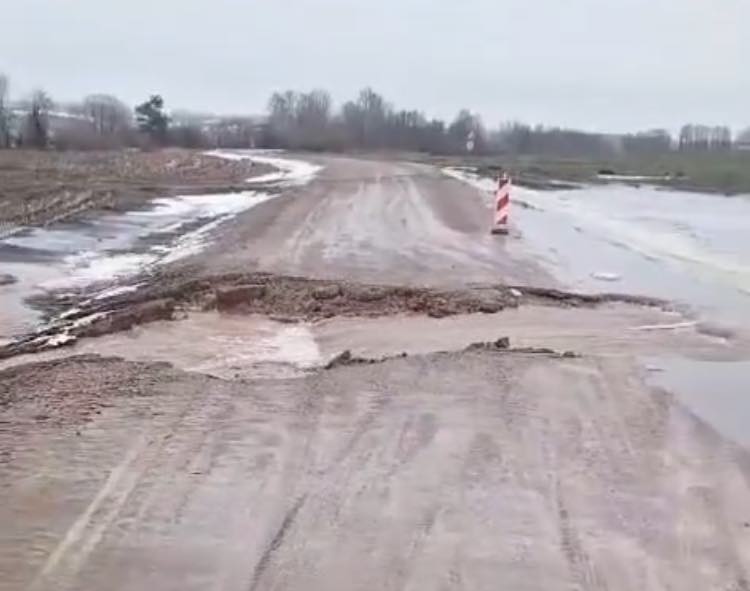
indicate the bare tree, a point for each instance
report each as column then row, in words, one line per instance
column 5, row 113
column 655, row 141
column 300, row 120
column 721, row 138
column 702, row 138
column 282, row 109
column 36, row 130
column 108, row 114
column 312, row 118
column 519, row 138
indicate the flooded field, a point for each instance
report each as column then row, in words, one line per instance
column 691, row 248
column 115, row 247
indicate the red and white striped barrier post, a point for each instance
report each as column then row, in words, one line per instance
column 502, row 205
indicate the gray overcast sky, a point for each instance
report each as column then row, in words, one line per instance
column 609, row 65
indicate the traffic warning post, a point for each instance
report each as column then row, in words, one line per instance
column 502, row 205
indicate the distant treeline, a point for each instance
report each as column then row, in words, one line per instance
column 102, row 121
column 308, row 120
column 311, row 121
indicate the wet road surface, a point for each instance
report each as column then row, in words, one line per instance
column 462, row 471
column 375, row 220
column 246, row 466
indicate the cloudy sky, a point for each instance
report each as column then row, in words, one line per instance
column 609, row 65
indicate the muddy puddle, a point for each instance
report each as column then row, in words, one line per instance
column 223, row 346
column 233, row 346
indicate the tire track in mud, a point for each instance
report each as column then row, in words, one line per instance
column 583, row 572
column 276, row 542
column 88, row 530
column 145, row 456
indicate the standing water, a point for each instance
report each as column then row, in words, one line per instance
column 115, row 247
column 689, row 248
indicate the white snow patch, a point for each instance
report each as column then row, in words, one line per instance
column 91, row 266
column 59, row 340
column 469, row 176
column 192, row 242
column 69, row 313
column 675, row 326
column 290, row 172
column 604, row 276
column 488, row 186
column 633, row 178
column 87, row 320
column 117, row 290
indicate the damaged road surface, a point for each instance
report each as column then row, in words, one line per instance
column 352, row 385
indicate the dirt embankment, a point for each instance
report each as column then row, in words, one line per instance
column 42, row 187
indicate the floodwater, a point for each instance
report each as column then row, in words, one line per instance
column 687, row 247
column 111, row 247
column 716, row 391
column 223, row 346
column 690, row 248
column 251, row 346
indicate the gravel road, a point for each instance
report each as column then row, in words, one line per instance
column 186, row 463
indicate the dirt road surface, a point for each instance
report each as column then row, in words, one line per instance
column 218, row 451
column 375, row 220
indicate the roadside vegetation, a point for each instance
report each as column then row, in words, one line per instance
column 727, row 173
column 700, row 157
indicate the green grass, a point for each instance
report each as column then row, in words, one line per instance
column 727, row 173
